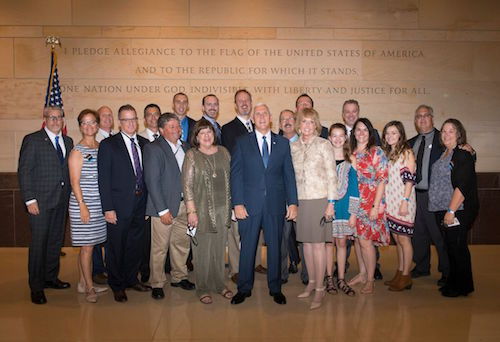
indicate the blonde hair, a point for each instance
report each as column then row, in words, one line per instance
column 308, row 113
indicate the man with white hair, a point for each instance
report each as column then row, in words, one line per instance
column 263, row 192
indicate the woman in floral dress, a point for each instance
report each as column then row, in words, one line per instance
column 401, row 200
column 371, row 229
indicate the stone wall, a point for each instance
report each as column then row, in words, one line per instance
column 390, row 55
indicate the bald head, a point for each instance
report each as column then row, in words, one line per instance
column 105, row 118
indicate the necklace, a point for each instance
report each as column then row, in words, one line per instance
column 213, row 167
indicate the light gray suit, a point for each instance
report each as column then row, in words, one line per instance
column 163, row 176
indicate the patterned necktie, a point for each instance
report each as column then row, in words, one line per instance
column 265, row 151
column 59, row 150
column 249, row 127
column 137, row 166
column 155, row 136
column 420, row 157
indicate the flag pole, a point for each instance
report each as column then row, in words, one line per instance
column 53, row 41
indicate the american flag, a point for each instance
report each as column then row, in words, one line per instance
column 54, row 96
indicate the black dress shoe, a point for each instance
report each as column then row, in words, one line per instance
column 442, row 281
column 120, row 296
column 240, row 297
column 447, row 292
column 417, row 274
column 378, row 275
column 100, row 279
column 38, row 297
column 140, row 287
column 184, row 284
column 293, row 268
column 158, row 293
column 57, row 284
column 279, row 298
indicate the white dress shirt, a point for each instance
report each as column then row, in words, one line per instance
column 247, row 123
column 150, row 135
column 102, row 134
column 349, row 131
column 128, row 143
column 52, row 137
column 260, row 141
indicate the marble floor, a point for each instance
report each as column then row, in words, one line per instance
column 420, row 314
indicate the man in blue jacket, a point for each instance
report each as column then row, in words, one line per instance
column 263, row 193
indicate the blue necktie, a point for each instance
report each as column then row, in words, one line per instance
column 59, row 150
column 265, row 151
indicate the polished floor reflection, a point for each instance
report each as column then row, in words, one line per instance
column 420, row 314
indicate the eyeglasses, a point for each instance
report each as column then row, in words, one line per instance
column 129, row 120
column 88, row 123
column 55, row 118
column 423, row 116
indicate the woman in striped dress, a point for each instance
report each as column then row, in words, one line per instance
column 88, row 227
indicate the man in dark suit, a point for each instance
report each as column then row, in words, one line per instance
column 44, row 181
column 210, row 108
column 427, row 148
column 163, row 166
column 241, row 125
column 350, row 114
column 262, row 185
column 180, row 106
column 123, row 198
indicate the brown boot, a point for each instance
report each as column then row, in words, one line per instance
column 394, row 280
column 403, row 283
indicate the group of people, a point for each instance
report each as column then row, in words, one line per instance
column 185, row 189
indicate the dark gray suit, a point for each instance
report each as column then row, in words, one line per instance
column 43, row 177
column 163, row 177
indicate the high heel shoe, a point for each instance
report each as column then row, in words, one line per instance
column 369, row 287
column 318, row 298
column 91, row 296
column 98, row 289
column 359, row 278
column 330, row 286
column 309, row 289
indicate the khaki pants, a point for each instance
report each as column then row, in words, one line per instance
column 233, row 249
column 172, row 238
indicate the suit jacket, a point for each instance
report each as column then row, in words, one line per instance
column 163, row 177
column 116, row 175
column 436, row 150
column 191, row 123
column 231, row 132
column 257, row 187
column 41, row 175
